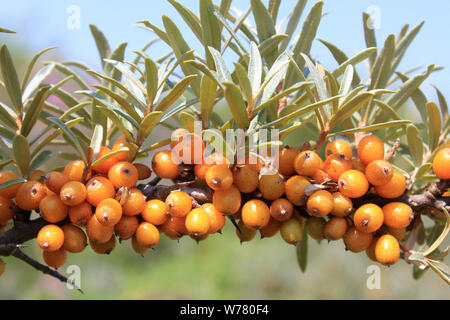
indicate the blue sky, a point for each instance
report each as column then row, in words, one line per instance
column 43, row 23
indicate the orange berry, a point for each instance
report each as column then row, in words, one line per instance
column 394, row 188
column 281, row 209
column 286, row 159
column 6, row 210
column 121, row 142
column 353, row 184
column 177, row 136
column 74, row 170
column 216, row 218
column 335, row 228
column 387, row 250
column 270, row 229
column 197, row 222
column 358, row 165
column 144, row 172
column 320, row 203
column 245, row 178
column 320, row 176
column 168, row 228
column 73, row 193
column 126, row 227
column 295, row 190
column 398, row 233
column 291, row 231
column 80, row 214
column 109, row 212
column 370, row 251
column 441, row 164
column 335, row 165
column 179, row 203
column 163, row 165
column 307, row 162
column 357, row 241
column 50, row 238
column 103, row 247
column 314, row 227
column 52, row 209
column 342, row 205
column 227, row 201
column 179, row 225
column 123, row 174
column 107, row 164
column 339, row 147
column 370, row 148
column 97, row 231
column 55, row 181
column 137, row 247
column 219, row 177
column 9, row 192
column 271, row 186
column 213, row 159
column 368, row 218
column 379, row 172
column 253, row 160
column 30, row 194
column 55, row 259
column 199, row 238
column 245, row 233
column 155, row 212
column 98, row 189
column 189, row 149
column 397, row 215
column 74, row 238
column 135, row 203
column 255, row 214
column 147, row 235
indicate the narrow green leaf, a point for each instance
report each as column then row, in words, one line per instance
column 320, row 84
column 30, row 66
column 203, row 68
column 222, row 71
column 302, row 251
column 127, row 107
column 350, row 107
column 69, row 72
column 293, row 22
column 147, row 125
column 175, row 93
column 7, row 118
column 418, row 97
column 347, row 80
column 386, row 110
column 70, row 137
column 423, row 169
column 10, row 183
column 236, row 103
column 33, row 111
column 40, row 159
column 271, row 43
column 191, row 19
column 178, row 109
column 151, row 79
column 434, row 125
column 381, row 70
column 371, row 128
column 264, row 25
column 10, row 78
column 357, row 58
column 187, row 121
column 442, row 102
column 274, row 7
column 116, row 120
column 415, row 144
column 244, row 81
column 207, row 97
column 369, row 36
column 4, row 30
column 117, row 55
column 102, row 44
column 255, row 68
column 6, row 133
column 211, row 31
column 273, row 78
column 109, row 155
column 21, row 150
column 96, row 140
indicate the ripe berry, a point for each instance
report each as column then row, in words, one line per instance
column 441, row 164
column 179, row 203
column 320, row 176
column 295, row 190
column 398, row 233
column 121, row 142
column 74, row 238
column 179, row 225
column 177, row 136
column 147, row 235
column 168, row 228
column 286, row 159
column 9, row 192
column 314, row 227
column 50, row 238
column 253, row 160
column 342, row 205
column 358, row 165
column 213, row 159
column 281, row 209
column 30, row 194
column 97, row 231
column 55, row 181
column 155, row 212
column 307, row 162
column 74, row 170
column 320, row 203
column 270, row 229
column 199, row 238
column 339, row 147
column 335, row 228
column 216, row 218
column 255, row 214
column 123, row 174
column 397, row 215
column 98, row 189
column 291, row 231
column 189, row 149
column 107, row 164
column 137, row 247
column 357, row 241
column 368, row 218
column 103, row 247
column 126, row 227
column 245, row 233
column 73, row 193
column 52, row 209
column 394, row 188
column 109, row 212
column 370, row 251
column 335, row 165
column 245, row 178
column 144, row 172
column 6, row 210
column 379, row 172
column 219, row 177
column 387, row 250
column 227, row 201
column 370, row 148
column 271, row 186
column 55, row 259
column 353, row 184
column 135, row 203
column 163, row 165
column 197, row 222
column 80, row 215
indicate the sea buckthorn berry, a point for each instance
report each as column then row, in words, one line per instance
column 398, row 233
column 197, row 222
column 237, row 215
column 163, row 165
column 358, row 165
column 2, row 267
column 55, row 259
column 307, row 162
column 245, row 178
column 253, row 160
column 370, row 251
column 255, row 214
column 9, row 192
column 286, row 160
column 397, row 215
column 144, row 172
column 6, row 210
column 109, row 212
column 342, row 205
column 177, row 136
column 213, row 159
column 55, row 181
column 368, row 218
column 121, row 142
column 73, row 193
column 394, row 188
column 314, row 227
column 80, row 215
column 353, row 184
column 50, row 238
column 320, row 176
column 245, row 233
column 137, row 247
column 97, row 231
column 74, row 170
column 227, row 201
column 441, row 164
column 75, row 239
column 179, row 203
column 335, row 165
column 126, row 227
column 387, row 250
column 107, row 164
column 147, row 235
column 379, row 172
column 270, row 229
column 135, row 202
column 199, row 238
column 155, row 212
column 357, row 241
column 123, row 174
column 189, row 149
column 320, row 203
column 168, row 228
column 335, row 228
column 295, row 190
column 52, row 209
column 36, row 175
column 271, row 186
column 370, row 148
column 339, row 147
column 291, row 231
column 216, row 218
column 103, row 247
column 98, row 189
column 30, row 194
column 219, row 177
column 281, row 209
column 179, row 225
